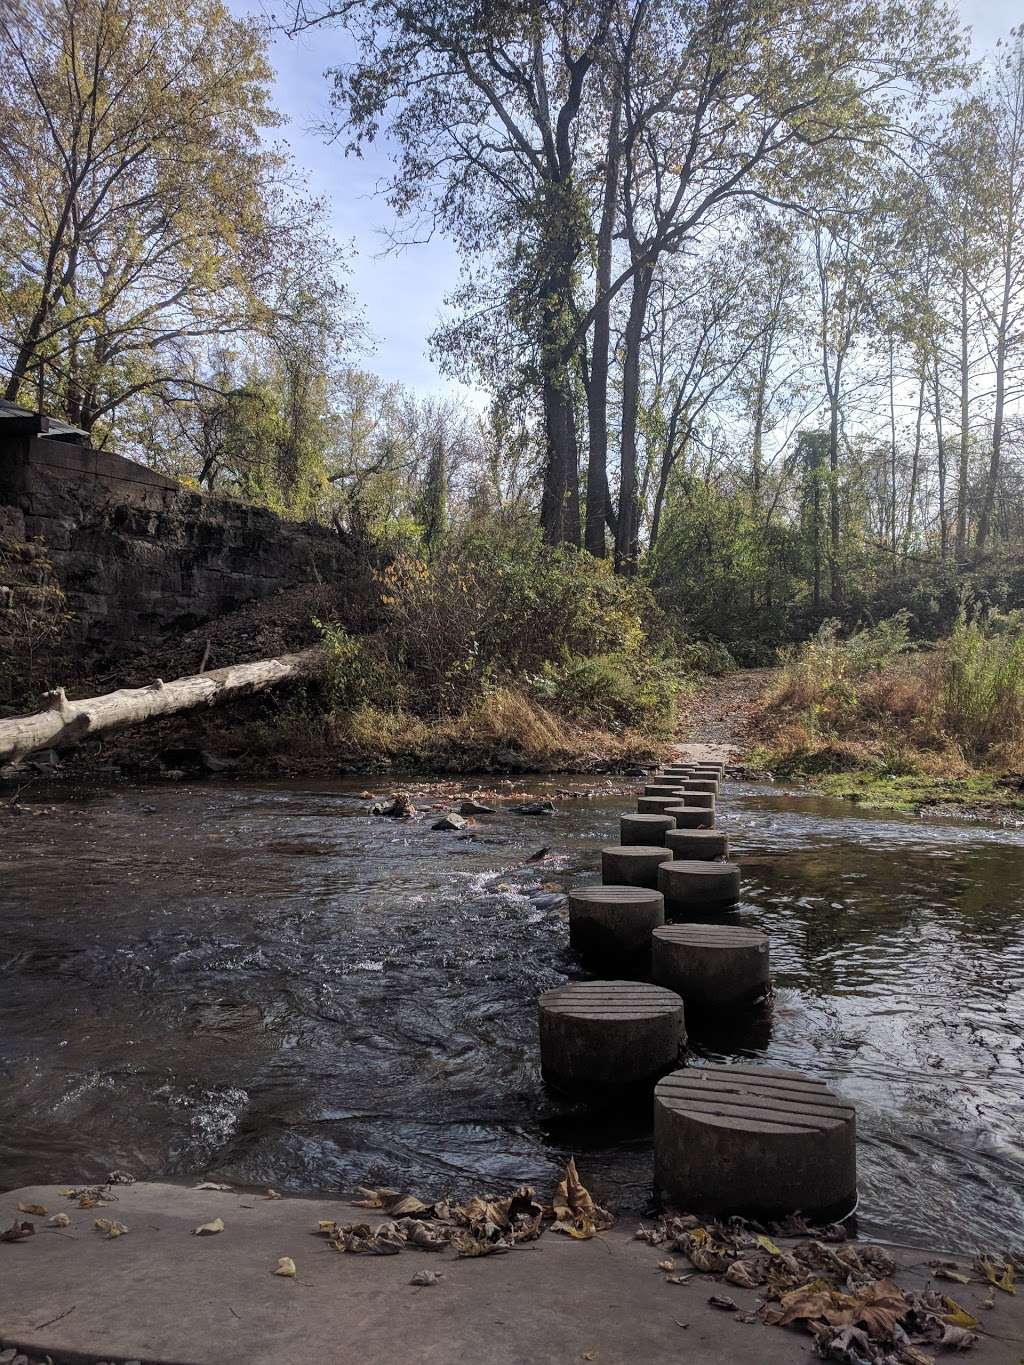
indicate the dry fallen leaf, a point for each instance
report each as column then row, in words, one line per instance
column 575, row 1211
column 17, row 1232
column 423, row 1278
column 59, row 1220
column 273, row 1194
column 666, row 1265
column 110, row 1228
column 720, row 1301
column 285, row 1266
column 37, row 1210
column 212, row 1185
column 209, row 1229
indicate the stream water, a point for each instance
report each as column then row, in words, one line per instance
column 265, row 984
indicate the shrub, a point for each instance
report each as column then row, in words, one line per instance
column 983, row 687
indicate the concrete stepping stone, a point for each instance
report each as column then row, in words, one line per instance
column 699, row 784
column 663, row 789
column 633, row 864
column 657, row 805
column 705, row 799
column 691, row 884
column 738, row 1139
column 704, row 845
column 645, row 829
column 691, row 817
column 711, row 965
column 600, row 1036
column 613, row 924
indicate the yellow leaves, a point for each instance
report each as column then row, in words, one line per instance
column 209, row 1229
column 576, row 1214
column 946, row 1270
column 59, row 1220
column 37, row 1210
column 769, row 1246
column 286, row 1267
column 1000, row 1275
column 111, row 1229
column 957, row 1316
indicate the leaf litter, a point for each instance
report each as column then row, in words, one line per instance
column 483, row 1225
column 844, row 1295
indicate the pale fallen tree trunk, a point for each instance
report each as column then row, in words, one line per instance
column 64, row 722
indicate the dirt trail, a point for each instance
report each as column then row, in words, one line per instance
column 717, row 719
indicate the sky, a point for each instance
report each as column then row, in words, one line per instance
column 402, row 294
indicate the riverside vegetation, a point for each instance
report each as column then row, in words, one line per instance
column 893, row 722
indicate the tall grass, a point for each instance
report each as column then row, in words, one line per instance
column 983, row 688
column 873, row 699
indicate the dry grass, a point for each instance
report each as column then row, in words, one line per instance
column 953, row 712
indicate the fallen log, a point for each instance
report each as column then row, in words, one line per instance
column 65, row 722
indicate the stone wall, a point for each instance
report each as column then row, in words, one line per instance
column 138, row 556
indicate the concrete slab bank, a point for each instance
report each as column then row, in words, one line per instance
column 160, row 1294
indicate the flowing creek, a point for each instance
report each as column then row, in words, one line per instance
column 264, row 984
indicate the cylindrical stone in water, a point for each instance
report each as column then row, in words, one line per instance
column 710, row 964
column 600, row 1036
column 663, row 789
column 691, row 884
column 705, row 799
column 645, row 829
column 633, row 864
column 613, row 924
column 739, row 1139
column 657, row 805
column 699, row 784
column 691, row 817
column 704, row 845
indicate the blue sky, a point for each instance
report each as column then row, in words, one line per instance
column 403, row 294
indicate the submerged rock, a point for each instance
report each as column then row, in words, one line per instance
column 449, row 821
column 471, row 807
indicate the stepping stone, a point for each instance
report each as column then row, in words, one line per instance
column 600, row 1036
column 613, row 924
column 633, row 864
column 711, row 964
column 701, row 844
column 739, row 1139
column 690, row 817
column 692, row 884
column 699, row 784
column 705, row 799
column 657, row 805
column 663, row 789
column 645, row 829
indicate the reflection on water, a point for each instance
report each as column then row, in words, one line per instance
column 267, row 984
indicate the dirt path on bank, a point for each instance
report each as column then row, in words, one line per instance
column 717, row 719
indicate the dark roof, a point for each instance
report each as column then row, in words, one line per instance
column 39, row 423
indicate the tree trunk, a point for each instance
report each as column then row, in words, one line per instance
column 941, row 445
column 915, row 463
column 627, row 546
column 560, row 496
column 999, row 411
column 965, row 412
column 65, row 722
column 836, row 586
column 597, row 396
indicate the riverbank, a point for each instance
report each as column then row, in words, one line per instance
column 158, row 1293
column 894, row 726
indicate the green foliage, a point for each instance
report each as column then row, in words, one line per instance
column 983, row 686
column 499, row 610
column 614, row 691
column 359, row 672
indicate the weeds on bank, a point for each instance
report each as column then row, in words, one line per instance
column 504, row 645
column 873, row 718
